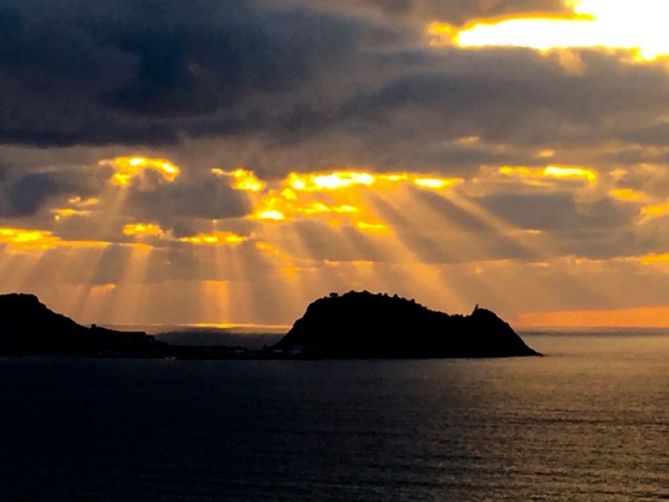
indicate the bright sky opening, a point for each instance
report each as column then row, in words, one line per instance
column 639, row 27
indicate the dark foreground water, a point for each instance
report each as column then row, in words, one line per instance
column 589, row 422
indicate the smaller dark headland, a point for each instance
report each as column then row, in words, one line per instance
column 29, row 328
column 353, row 325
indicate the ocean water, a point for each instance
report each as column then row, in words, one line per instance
column 588, row 422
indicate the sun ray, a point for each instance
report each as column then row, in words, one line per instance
column 419, row 249
column 540, row 246
column 414, row 234
column 478, row 248
column 17, row 269
column 126, row 300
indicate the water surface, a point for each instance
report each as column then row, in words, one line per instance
column 590, row 422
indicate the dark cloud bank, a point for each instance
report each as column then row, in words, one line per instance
column 154, row 73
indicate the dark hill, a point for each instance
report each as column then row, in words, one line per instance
column 366, row 325
column 28, row 327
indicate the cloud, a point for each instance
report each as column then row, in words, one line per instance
column 176, row 206
column 24, row 194
column 82, row 72
column 455, row 11
column 312, row 84
column 517, row 102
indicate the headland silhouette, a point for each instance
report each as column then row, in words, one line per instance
column 352, row 325
column 367, row 325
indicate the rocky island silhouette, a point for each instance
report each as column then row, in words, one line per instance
column 352, row 325
column 367, row 325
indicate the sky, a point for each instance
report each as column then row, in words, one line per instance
column 223, row 162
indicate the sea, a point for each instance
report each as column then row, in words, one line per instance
column 589, row 421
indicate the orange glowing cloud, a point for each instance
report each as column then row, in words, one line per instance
column 654, row 211
column 552, row 172
column 269, row 214
column 373, row 228
column 338, row 194
column 338, row 180
column 242, row 179
column 77, row 207
column 655, row 259
column 128, row 168
column 67, row 212
column 215, row 238
column 436, row 183
column 628, row 195
column 143, row 230
column 26, row 239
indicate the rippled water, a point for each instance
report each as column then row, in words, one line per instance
column 590, row 422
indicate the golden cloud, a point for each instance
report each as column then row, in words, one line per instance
column 552, row 172
column 128, row 168
column 215, row 238
column 28, row 239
